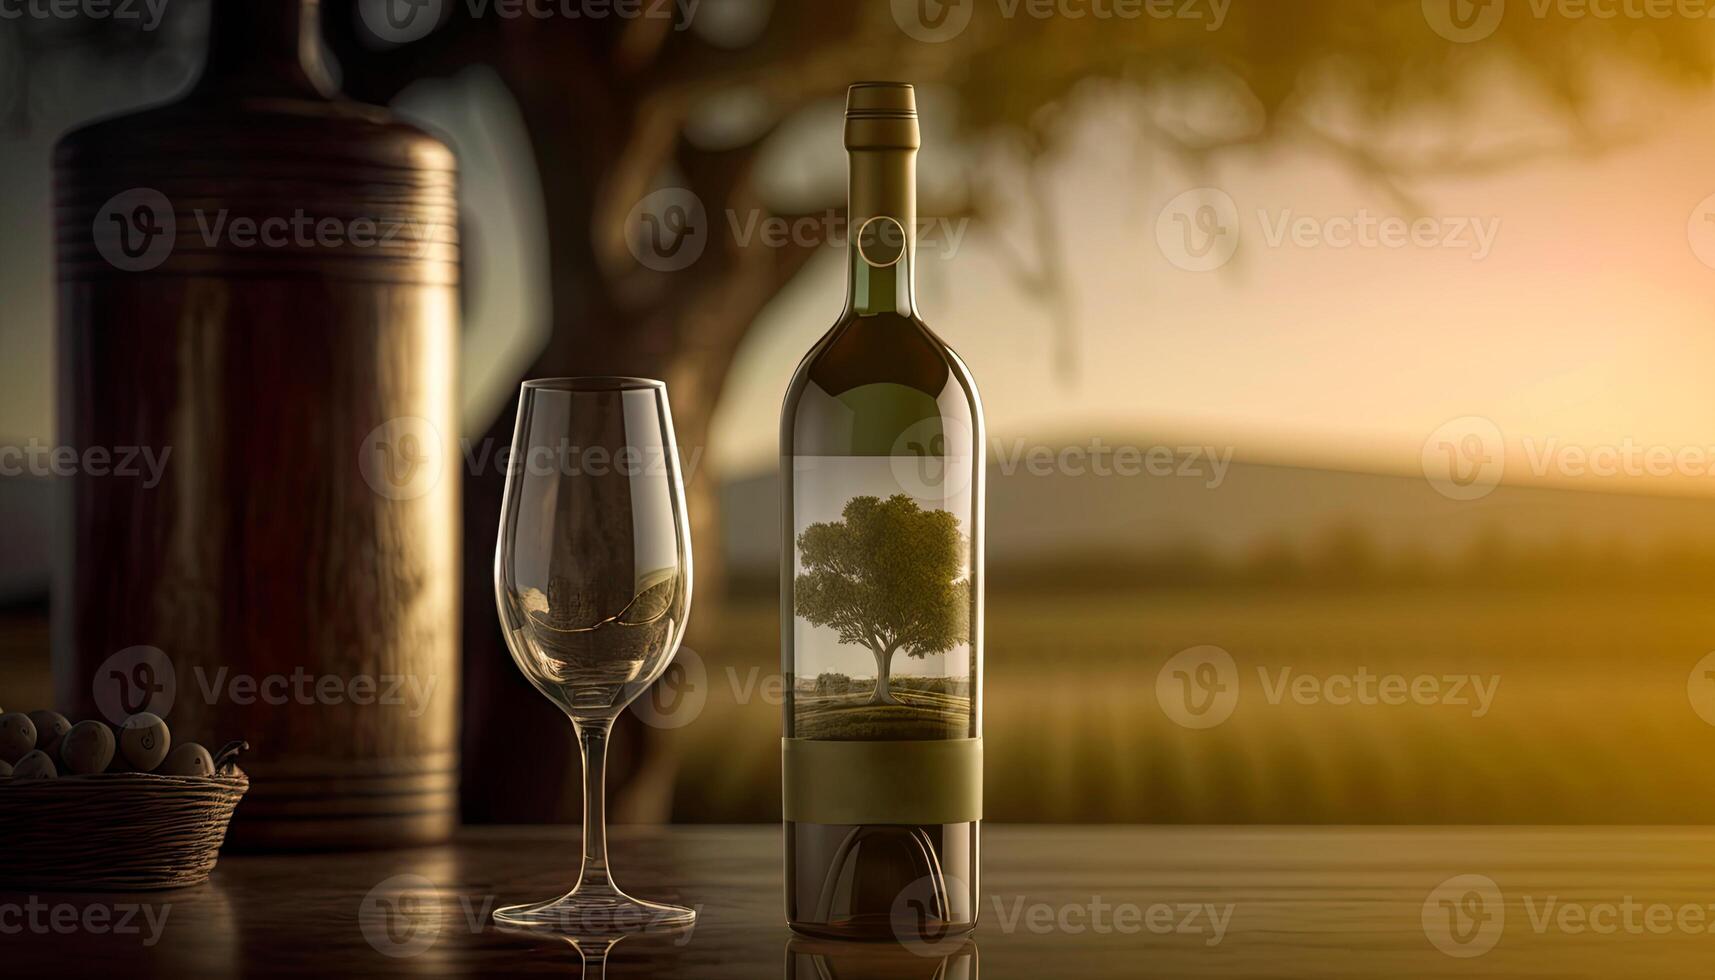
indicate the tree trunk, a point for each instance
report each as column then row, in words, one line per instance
column 883, row 672
column 598, row 155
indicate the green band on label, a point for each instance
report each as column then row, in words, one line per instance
column 929, row 781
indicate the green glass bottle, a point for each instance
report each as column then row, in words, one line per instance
column 881, row 445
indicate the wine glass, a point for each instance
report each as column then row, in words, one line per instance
column 593, row 579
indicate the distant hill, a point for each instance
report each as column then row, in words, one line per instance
column 1271, row 520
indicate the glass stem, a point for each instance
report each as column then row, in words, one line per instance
column 592, row 742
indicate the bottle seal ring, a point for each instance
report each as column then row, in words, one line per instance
column 881, row 241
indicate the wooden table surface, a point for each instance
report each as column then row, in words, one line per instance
column 1086, row 902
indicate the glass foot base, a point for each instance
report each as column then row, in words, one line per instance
column 596, row 912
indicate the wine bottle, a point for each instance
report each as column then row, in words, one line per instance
column 881, row 445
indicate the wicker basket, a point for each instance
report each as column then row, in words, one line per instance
column 116, row 831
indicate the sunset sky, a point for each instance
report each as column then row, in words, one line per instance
column 1589, row 321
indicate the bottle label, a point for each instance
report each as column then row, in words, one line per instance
column 917, row 782
column 883, row 594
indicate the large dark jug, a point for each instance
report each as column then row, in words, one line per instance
column 261, row 280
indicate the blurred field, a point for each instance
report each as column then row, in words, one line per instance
column 1591, row 722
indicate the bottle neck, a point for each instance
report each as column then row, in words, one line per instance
column 265, row 47
column 881, row 210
